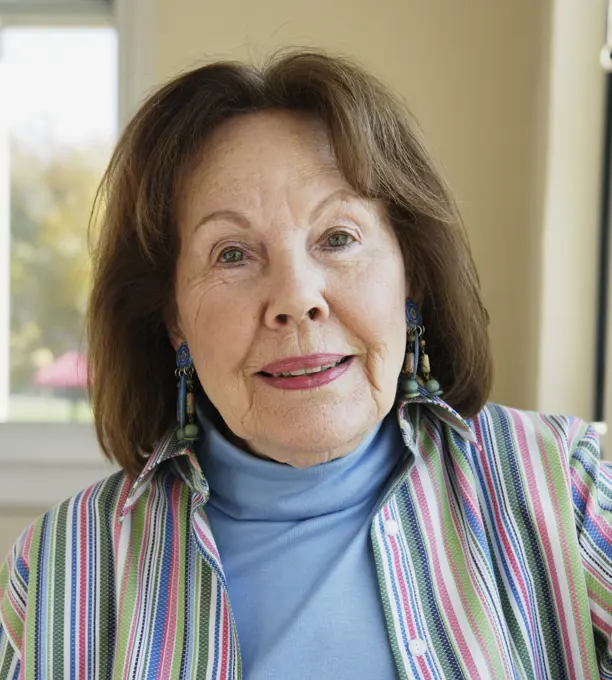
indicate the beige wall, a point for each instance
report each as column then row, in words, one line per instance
column 475, row 74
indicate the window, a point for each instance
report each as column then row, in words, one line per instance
column 71, row 73
column 59, row 85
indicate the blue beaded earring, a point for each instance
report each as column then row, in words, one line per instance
column 186, row 416
column 416, row 358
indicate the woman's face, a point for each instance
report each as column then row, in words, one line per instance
column 283, row 268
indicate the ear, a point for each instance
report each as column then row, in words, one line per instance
column 414, row 292
column 176, row 340
column 173, row 327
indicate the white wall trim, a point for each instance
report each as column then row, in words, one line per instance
column 135, row 21
column 5, row 241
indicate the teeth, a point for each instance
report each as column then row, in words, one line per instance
column 306, row 371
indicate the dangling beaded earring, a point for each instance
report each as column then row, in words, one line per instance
column 416, row 358
column 186, row 416
column 431, row 384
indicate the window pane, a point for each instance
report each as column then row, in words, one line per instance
column 59, row 90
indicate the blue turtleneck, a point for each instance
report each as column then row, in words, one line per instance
column 296, row 550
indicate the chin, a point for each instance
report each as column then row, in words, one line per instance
column 315, row 438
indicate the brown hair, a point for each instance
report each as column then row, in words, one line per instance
column 379, row 153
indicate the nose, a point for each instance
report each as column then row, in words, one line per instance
column 296, row 294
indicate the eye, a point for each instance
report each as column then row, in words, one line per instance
column 231, row 256
column 338, row 240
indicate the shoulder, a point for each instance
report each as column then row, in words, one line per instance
column 98, row 504
column 82, row 546
column 509, row 431
column 93, row 515
column 544, row 470
column 90, row 522
column 101, row 501
column 46, row 551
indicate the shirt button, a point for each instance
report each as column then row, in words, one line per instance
column 391, row 527
column 417, row 647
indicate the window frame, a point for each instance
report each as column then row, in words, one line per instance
column 43, row 463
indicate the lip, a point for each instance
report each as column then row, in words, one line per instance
column 298, row 363
column 312, row 381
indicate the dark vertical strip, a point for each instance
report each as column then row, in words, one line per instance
column 604, row 259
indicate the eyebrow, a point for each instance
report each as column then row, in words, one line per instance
column 340, row 194
column 243, row 221
column 228, row 215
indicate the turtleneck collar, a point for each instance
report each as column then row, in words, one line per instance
column 249, row 488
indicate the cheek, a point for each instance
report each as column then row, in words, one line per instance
column 379, row 296
column 217, row 328
column 223, row 338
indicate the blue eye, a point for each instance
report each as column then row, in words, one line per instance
column 231, row 256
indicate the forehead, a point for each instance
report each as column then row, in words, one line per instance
column 265, row 150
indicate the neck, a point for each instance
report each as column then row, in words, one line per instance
column 243, row 486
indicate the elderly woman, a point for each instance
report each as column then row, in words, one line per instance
column 282, row 291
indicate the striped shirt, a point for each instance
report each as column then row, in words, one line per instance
column 493, row 549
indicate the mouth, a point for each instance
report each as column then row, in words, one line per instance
column 307, row 371
column 307, row 377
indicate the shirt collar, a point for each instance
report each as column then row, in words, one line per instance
column 443, row 411
column 166, row 449
column 169, row 447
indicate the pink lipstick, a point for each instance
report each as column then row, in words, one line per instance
column 306, row 372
